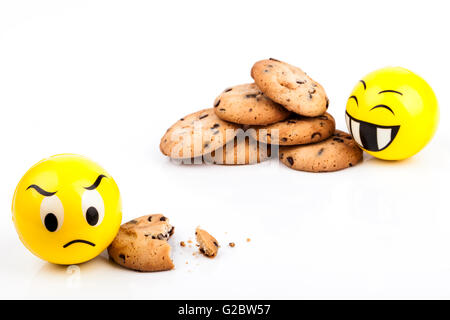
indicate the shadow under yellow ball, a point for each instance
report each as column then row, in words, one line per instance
column 67, row 209
column 392, row 113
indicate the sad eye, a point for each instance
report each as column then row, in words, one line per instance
column 93, row 207
column 52, row 213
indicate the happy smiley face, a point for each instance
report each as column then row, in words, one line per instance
column 67, row 209
column 392, row 113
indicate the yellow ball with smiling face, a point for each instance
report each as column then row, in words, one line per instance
column 67, row 209
column 392, row 113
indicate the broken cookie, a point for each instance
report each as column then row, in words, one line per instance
column 141, row 244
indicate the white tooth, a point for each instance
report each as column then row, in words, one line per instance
column 383, row 137
column 355, row 131
column 347, row 120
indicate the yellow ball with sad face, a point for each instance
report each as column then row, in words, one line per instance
column 392, row 113
column 67, row 209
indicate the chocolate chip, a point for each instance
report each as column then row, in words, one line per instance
column 270, row 66
column 206, row 145
column 228, row 90
column 350, row 164
column 300, row 82
column 315, row 134
column 292, row 121
column 328, row 102
column 203, row 116
column 172, row 230
column 216, row 125
column 284, row 139
column 216, row 132
column 320, row 151
column 348, row 137
column 290, row 160
column 153, row 237
column 162, row 219
column 217, row 103
column 216, row 244
column 250, row 110
column 323, row 117
column 122, row 256
column 266, row 70
column 222, row 109
column 338, row 139
column 274, row 59
column 253, row 95
column 133, row 222
column 182, row 119
column 161, row 236
column 150, row 219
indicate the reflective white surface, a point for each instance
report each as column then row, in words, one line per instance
column 105, row 80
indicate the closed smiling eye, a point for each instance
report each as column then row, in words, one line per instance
column 355, row 98
column 384, row 107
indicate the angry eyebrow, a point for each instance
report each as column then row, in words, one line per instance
column 96, row 183
column 364, row 84
column 41, row 191
column 393, row 91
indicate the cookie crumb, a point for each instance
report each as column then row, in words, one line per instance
column 248, row 239
column 231, row 244
column 182, row 244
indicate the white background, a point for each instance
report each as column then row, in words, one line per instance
column 105, row 79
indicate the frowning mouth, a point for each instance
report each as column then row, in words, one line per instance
column 369, row 136
column 78, row 241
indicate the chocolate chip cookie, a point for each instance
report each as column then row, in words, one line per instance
column 246, row 104
column 141, row 244
column 197, row 134
column 208, row 245
column 295, row 130
column 290, row 87
column 338, row 152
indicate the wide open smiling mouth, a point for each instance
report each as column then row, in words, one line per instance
column 370, row 136
column 78, row 241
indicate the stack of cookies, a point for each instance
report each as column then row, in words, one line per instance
column 283, row 109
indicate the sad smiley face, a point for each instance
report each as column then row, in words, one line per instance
column 67, row 209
